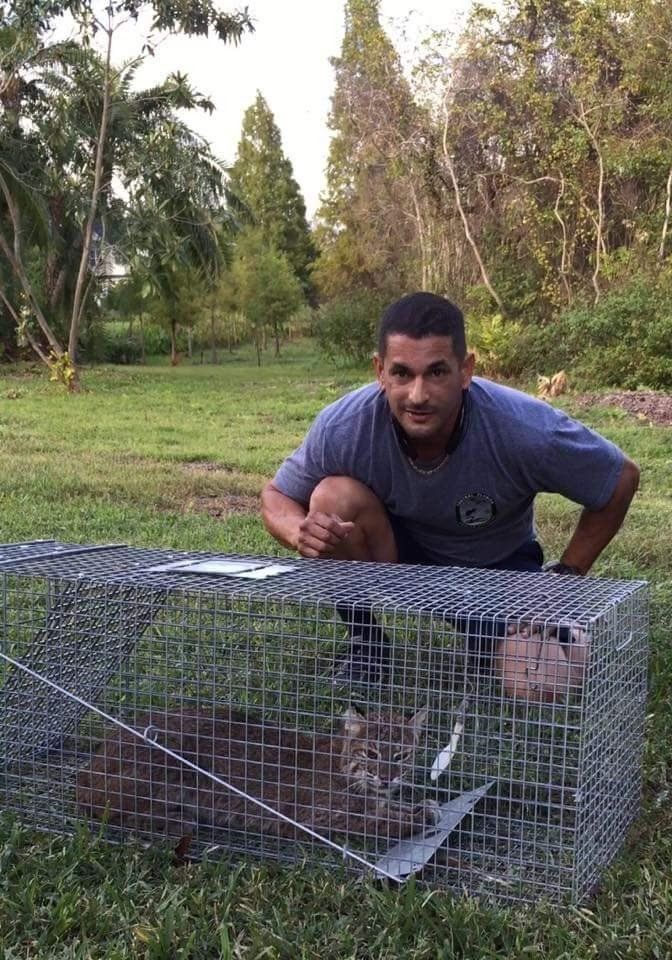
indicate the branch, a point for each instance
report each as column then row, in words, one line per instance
column 599, row 243
column 666, row 223
column 463, row 216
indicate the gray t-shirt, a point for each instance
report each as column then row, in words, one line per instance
column 477, row 508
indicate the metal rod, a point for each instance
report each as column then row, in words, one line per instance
column 26, row 543
column 78, row 551
column 144, row 736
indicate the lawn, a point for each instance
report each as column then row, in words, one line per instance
column 175, row 457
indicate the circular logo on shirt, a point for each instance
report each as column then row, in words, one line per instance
column 475, row 510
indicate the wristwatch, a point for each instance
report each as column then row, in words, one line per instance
column 557, row 566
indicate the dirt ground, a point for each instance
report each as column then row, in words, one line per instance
column 223, row 506
column 643, row 404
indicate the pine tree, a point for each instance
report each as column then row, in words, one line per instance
column 368, row 232
column 262, row 179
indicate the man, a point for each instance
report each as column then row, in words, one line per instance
column 433, row 465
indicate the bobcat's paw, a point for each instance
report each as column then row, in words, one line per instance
column 427, row 814
column 433, row 812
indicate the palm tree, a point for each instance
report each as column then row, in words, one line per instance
column 71, row 129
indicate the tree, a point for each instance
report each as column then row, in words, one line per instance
column 555, row 154
column 262, row 179
column 92, row 160
column 178, row 226
column 265, row 288
column 368, row 230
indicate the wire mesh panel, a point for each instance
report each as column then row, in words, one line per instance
column 301, row 709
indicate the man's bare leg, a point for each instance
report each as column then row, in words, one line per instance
column 347, row 500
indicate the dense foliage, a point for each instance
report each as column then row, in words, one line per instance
column 529, row 178
column 523, row 169
column 73, row 131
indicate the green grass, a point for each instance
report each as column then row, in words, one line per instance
column 139, row 457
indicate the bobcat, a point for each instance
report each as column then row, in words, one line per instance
column 333, row 783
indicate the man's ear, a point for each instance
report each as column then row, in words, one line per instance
column 378, row 365
column 467, row 369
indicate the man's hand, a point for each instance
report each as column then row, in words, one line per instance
column 321, row 534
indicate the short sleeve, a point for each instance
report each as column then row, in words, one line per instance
column 303, row 469
column 579, row 464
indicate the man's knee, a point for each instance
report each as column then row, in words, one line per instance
column 372, row 537
column 345, row 497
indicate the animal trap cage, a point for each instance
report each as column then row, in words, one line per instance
column 191, row 697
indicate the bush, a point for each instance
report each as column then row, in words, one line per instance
column 110, row 342
column 625, row 340
column 496, row 343
column 346, row 328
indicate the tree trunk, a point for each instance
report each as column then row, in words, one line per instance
column 173, row 343
column 26, row 333
column 81, row 287
column 15, row 259
column 143, row 359
column 599, row 223
column 190, row 337
column 213, row 339
column 666, row 222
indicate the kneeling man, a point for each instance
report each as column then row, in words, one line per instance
column 433, row 465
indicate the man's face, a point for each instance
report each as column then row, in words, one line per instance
column 423, row 381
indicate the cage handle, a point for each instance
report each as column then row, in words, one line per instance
column 624, row 644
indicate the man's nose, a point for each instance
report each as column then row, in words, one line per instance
column 418, row 392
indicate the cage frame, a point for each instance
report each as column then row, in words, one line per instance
column 129, row 593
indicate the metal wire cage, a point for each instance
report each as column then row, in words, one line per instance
column 192, row 697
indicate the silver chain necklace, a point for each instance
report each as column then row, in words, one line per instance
column 431, row 470
column 452, row 443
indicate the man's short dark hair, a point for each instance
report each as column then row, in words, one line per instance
column 419, row 315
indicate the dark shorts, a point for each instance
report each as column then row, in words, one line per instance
column 529, row 556
column 481, row 638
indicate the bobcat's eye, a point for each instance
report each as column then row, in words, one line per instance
column 373, row 754
column 398, row 757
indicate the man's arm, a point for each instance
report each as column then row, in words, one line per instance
column 310, row 532
column 597, row 527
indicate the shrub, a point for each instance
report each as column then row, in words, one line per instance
column 495, row 341
column 625, row 340
column 346, row 327
column 111, row 342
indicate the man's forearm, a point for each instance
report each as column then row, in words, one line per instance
column 596, row 528
column 282, row 516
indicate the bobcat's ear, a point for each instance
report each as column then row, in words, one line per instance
column 418, row 721
column 353, row 722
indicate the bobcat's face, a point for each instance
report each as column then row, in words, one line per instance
column 377, row 750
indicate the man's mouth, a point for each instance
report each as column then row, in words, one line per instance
column 418, row 414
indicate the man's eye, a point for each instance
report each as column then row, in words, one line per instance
column 439, row 372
